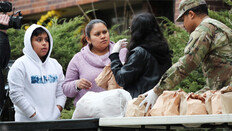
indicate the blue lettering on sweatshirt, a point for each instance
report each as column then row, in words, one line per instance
column 46, row 79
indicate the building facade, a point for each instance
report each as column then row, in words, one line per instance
column 112, row 11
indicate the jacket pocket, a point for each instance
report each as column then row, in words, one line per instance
column 37, row 117
column 56, row 113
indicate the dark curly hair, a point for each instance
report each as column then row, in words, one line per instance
column 146, row 33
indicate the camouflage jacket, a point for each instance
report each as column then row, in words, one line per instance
column 210, row 44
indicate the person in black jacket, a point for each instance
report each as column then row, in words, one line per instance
column 148, row 56
column 4, row 56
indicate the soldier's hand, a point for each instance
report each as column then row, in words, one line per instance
column 150, row 99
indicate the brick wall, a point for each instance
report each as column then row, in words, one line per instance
column 212, row 4
column 176, row 13
column 30, row 7
column 37, row 6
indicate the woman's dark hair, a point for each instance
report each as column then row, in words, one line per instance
column 83, row 39
column 88, row 29
column 39, row 31
column 146, row 33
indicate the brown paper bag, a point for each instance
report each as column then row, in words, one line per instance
column 213, row 102
column 216, row 103
column 103, row 77
column 167, row 104
column 182, row 108
column 193, row 104
column 106, row 79
column 133, row 109
column 226, row 98
column 219, row 101
column 226, row 89
column 208, row 95
column 112, row 84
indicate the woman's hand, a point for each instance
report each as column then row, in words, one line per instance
column 120, row 44
column 150, row 99
column 83, row 84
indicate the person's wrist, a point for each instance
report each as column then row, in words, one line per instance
column 77, row 87
column 115, row 50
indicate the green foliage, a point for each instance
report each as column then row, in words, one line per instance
column 66, row 37
column 223, row 16
column 16, row 42
column 66, row 114
column 176, row 37
column 115, row 35
column 229, row 2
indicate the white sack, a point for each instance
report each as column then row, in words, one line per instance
column 110, row 103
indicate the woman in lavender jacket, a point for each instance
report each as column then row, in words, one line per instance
column 87, row 64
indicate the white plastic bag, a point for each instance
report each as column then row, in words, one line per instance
column 110, row 103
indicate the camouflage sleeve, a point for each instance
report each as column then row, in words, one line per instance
column 195, row 52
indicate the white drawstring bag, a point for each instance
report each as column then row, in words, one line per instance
column 110, row 103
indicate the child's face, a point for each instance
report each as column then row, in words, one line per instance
column 40, row 44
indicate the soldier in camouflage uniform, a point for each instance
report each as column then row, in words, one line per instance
column 210, row 43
